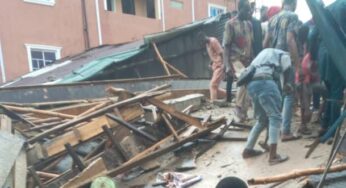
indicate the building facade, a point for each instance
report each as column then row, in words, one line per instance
column 35, row 33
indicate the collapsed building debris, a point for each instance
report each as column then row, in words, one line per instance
column 73, row 144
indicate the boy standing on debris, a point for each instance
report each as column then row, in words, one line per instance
column 237, row 41
column 215, row 52
column 270, row 66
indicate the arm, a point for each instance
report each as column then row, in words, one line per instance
column 266, row 40
column 292, row 46
column 227, row 39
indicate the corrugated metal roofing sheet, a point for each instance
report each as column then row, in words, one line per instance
column 96, row 66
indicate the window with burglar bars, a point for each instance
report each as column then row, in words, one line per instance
column 40, row 56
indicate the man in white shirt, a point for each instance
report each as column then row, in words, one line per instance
column 273, row 67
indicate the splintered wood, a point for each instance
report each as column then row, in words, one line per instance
column 104, row 137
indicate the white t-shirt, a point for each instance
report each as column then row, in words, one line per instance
column 269, row 59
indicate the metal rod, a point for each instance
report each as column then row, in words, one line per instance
column 335, row 151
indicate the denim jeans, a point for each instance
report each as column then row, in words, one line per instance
column 287, row 113
column 266, row 100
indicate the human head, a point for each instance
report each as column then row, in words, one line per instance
column 272, row 11
column 231, row 182
column 263, row 12
column 289, row 5
column 244, row 10
column 202, row 38
column 252, row 6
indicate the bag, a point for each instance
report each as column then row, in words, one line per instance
column 246, row 76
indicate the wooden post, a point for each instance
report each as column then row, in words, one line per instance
column 170, row 126
column 161, row 59
column 165, row 63
column 76, row 160
column 117, row 146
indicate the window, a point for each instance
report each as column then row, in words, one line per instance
column 128, row 6
column 110, row 5
column 214, row 10
column 151, row 8
column 42, row 2
column 40, row 56
column 176, row 4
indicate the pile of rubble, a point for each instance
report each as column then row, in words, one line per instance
column 74, row 143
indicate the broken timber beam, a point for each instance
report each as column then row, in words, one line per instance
column 165, row 63
column 44, row 112
column 92, row 115
column 132, row 128
column 170, row 126
column 78, row 182
column 89, row 130
column 162, row 61
column 173, row 112
column 295, row 174
column 116, row 144
column 76, row 160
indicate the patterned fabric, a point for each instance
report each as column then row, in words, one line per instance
column 239, row 37
column 279, row 26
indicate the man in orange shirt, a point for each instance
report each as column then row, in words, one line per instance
column 215, row 53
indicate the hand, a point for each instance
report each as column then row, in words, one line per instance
column 288, row 88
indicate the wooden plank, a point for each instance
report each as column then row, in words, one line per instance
column 80, row 181
column 44, row 112
column 89, row 130
column 96, row 167
column 170, row 126
column 173, row 112
column 97, row 107
column 161, row 60
column 131, row 127
column 92, row 115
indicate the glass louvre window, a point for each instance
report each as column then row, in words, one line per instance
column 42, row 58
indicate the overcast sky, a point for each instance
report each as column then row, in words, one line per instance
column 303, row 10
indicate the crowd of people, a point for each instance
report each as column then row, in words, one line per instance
column 289, row 66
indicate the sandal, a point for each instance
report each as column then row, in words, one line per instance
column 248, row 153
column 278, row 159
column 289, row 137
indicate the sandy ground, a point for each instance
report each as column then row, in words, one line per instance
column 224, row 159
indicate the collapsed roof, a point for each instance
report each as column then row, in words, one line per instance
column 179, row 46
